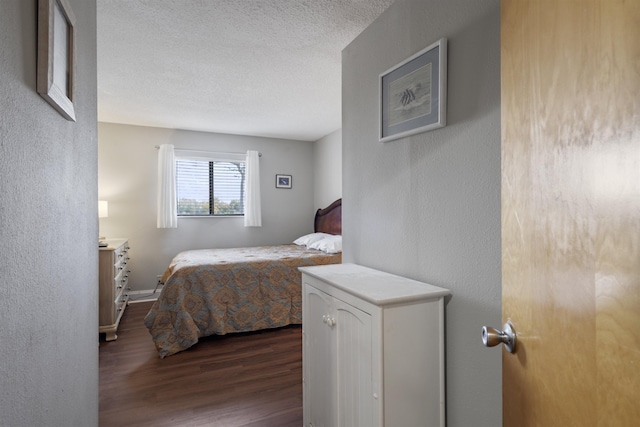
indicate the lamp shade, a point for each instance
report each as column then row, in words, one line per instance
column 103, row 209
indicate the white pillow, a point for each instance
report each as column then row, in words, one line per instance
column 330, row 245
column 308, row 239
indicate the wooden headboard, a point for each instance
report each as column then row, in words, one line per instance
column 329, row 219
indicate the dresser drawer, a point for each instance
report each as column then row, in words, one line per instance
column 121, row 281
column 121, row 259
column 119, row 303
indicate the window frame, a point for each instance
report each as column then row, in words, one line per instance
column 211, row 158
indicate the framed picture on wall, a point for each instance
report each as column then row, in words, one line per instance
column 413, row 94
column 56, row 55
column 283, row 181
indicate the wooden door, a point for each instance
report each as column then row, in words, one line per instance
column 570, row 75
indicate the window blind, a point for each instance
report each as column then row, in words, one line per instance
column 207, row 187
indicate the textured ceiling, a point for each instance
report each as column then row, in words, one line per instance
column 251, row 67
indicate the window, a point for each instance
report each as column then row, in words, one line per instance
column 210, row 187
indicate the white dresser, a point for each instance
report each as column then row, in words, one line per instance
column 114, row 285
column 373, row 349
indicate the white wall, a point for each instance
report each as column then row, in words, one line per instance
column 428, row 206
column 327, row 169
column 48, row 230
column 128, row 177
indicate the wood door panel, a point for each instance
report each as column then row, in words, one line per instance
column 570, row 74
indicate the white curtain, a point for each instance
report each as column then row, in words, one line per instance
column 252, row 211
column 167, row 210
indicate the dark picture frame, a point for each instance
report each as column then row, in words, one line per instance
column 284, row 181
column 55, row 79
column 413, row 94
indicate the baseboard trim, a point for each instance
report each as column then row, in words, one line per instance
column 143, row 296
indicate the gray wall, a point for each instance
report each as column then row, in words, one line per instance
column 428, row 206
column 48, row 230
column 327, row 169
column 128, row 177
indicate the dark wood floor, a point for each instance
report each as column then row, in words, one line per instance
column 235, row 380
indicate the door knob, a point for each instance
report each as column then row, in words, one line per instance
column 492, row 337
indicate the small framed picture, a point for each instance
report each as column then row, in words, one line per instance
column 283, row 181
column 56, row 55
column 413, row 94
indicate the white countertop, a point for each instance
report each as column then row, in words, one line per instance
column 372, row 285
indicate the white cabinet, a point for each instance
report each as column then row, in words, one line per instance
column 373, row 349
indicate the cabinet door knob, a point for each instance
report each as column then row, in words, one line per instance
column 328, row 320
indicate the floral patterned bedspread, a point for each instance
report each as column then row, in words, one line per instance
column 218, row 291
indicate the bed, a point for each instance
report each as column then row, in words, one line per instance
column 220, row 291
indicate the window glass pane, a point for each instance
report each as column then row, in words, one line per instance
column 228, row 185
column 192, row 187
column 199, row 181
